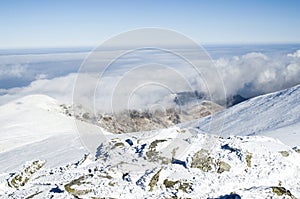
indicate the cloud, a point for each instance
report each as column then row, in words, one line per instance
column 12, row 71
column 150, row 77
column 41, row 76
column 295, row 54
column 138, row 79
column 255, row 73
column 21, row 69
column 60, row 88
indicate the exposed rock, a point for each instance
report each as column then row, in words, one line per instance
column 155, row 156
column 144, row 120
column 223, row 166
column 20, row 179
column 202, row 160
column 248, row 159
column 73, row 186
column 284, row 153
column 297, row 149
column 178, row 185
column 154, row 180
column 280, row 191
column 134, row 120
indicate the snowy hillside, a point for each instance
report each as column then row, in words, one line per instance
column 42, row 156
column 276, row 115
column 172, row 163
column 31, row 119
column 37, row 127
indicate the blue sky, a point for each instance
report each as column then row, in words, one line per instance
column 35, row 23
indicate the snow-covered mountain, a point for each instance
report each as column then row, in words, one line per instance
column 260, row 160
column 31, row 119
column 276, row 115
column 36, row 126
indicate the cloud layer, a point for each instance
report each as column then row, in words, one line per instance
column 21, row 69
column 143, row 77
column 256, row 73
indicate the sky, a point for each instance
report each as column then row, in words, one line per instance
column 43, row 44
column 68, row 23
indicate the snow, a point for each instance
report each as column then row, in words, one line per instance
column 276, row 115
column 246, row 150
column 31, row 119
column 105, row 176
column 36, row 126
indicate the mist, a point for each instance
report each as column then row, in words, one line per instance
column 148, row 77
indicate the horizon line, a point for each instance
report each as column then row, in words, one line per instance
column 62, row 47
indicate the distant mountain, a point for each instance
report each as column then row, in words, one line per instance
column 183, row 98
column 235, row 99
column 184, row 107
column 145, row 120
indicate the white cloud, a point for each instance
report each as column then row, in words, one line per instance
column 249, row 75
column 60, row 88
column 41, row 76
column 18, row 70
column 255, row 56
column 256, row 73
column 12, row 71
column 295, row 54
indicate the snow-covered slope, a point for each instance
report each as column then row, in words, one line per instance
column 36, row 127
column 31, row 119
column 179, row 162
column 171, row 163
column 276, row 115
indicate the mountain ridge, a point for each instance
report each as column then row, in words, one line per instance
column 257, row 116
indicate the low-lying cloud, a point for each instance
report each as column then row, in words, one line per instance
column 22, row 69
column 12, row 71
column 247, row 75
column 256, row 73
column 59, row 88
